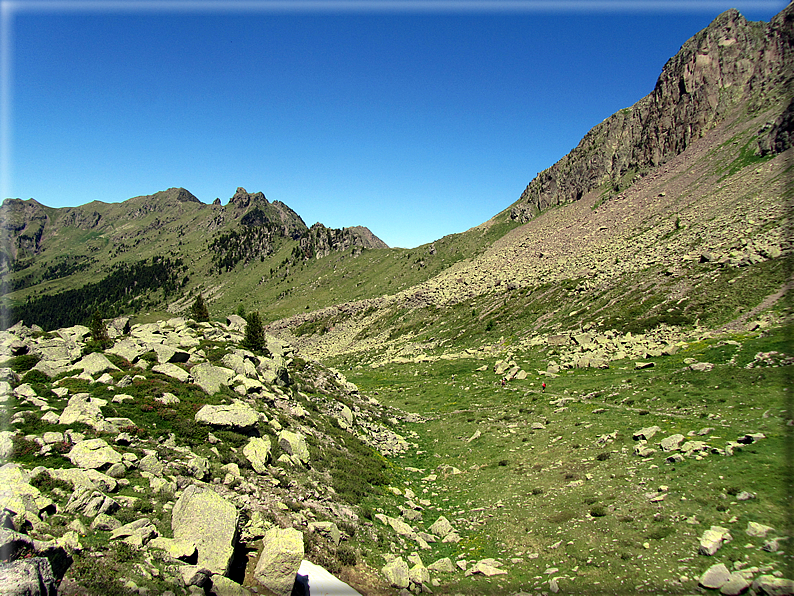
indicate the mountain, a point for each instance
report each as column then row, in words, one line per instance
column 65, row 263
column 588, row 393
column 730, row 68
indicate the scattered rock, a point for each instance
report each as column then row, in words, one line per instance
column 715, row 576
column 396, row 573
column 237, row 416
column 282, row 553
column 203, row 518
column 713, row 539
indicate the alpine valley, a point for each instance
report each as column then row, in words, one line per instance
column 588, row 393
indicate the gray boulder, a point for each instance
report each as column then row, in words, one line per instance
column 95, row 363
column 237, row 415
column 294, row 444
column 257, row 451
column 81, row 407
column 715, row 576
column 443, row 565
column 152, row 464
column 223, row 586
column 6, row 444
column 169, row 355
column 28, row 577
column 136, row 533
column 773, row 586
column 210, row 377
column 93, row 454
column 396, row 573
column 735, row 585
column 204, row 518
column 282, row 553
column 441, row 527
column 757, row 530
column 89, row 502
column 172, row 370
column 672, row 443
column 127, row 349
column 713, row 539
column 646, row 433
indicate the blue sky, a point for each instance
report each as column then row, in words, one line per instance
column 416, row 121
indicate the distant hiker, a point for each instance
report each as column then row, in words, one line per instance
column 543, row 387
column 504, row 381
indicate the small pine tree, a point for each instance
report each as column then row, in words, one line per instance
column 254, row 333
column 241, row 311
column 199, row 310
column 99, row 331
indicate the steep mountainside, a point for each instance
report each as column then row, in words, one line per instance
column 732, row 65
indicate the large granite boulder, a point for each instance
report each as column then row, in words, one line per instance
column 28, row 577
column 94, row 454
column 237, row 415
column 210, row 377
column 396, row 573
column 81, row 407
column 203, row 518
column 95, row 363
column 282, row 553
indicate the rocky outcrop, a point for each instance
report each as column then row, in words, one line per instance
column 730, row 64
column 319, row 241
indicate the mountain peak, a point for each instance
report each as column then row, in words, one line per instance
column 242, row 199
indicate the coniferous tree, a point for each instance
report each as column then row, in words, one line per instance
column 99, row 331
column 199, row 310
column 254, row 333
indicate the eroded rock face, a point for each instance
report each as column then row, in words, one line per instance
column 282, row 553
column 205, row 519
column 696, row 90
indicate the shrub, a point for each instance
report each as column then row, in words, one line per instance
column 603, row 456
column 35, row 376
column 24, row 363
column 46, row 483
column 199, row 310
column 598, row 511
column 346, row 555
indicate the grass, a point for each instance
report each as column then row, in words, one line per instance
column 559, row 485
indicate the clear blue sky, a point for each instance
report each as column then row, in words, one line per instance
column 414, row 121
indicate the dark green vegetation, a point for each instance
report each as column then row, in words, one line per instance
column 128, row 288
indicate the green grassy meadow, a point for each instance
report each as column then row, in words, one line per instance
column 572, row 495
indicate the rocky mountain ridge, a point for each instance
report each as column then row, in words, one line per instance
column 731, row 65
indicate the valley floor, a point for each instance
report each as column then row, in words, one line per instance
column 556, row 487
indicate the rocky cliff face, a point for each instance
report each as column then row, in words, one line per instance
column 319, row 241
column 730, row 66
